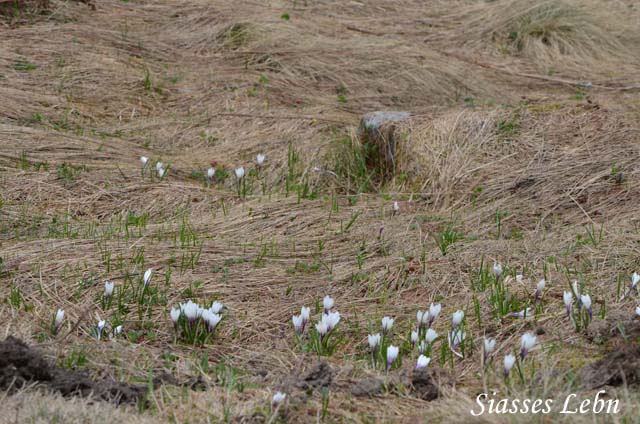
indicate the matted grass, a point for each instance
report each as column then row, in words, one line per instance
column 510, row 156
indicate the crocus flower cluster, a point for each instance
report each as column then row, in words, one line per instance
column 196, row 321
column 635, row 279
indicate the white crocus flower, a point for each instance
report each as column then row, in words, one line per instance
column 327, row 303
column 387, row 324
column 278, row 398
column 414, row 338
column 239, row 172
column 331, row 320
column 161, row 172
column 304, row 313
column 422, row 347
column 392, row 354
column 496, row 270
column 434, row 311
column 519, row 278
column 458, row 337
column 101, row 325
column 540, row 288
column 108, row 289
column 374, row 341
column 190, row 310
column 211, row 172
column 159, row 166
column 59, row 319
column 211, row 319
column 175, row 315
column 144, row 160
column 423, row 362
column 422, row 317
column 568, row 300
column 586, row 302
column 431, row 335
column 457, row 318
column 216, row 307
column 297, row 323
column 322, row 328
column 527, row 342
column 260, row 159
column 147, row 277
column 509, row 361
column 638, row 311
column 396, row 208
column 522, row 314
column 117, row 331
column 489, row 346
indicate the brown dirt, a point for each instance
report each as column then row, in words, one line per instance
column 620, row 367
column 21, row 365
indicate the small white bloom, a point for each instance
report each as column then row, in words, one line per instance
column 260, row 159
column 575, row 288
column 108, row 289
column 147, row 276
column 568, row 298
column 635, row 279
column 101, row 325
column 190, row 310
column 216, row 307
column 117, row 330
column 159, row 166
column 322, row 328
column 396, row 208
column 496, row 270
column 387, row 324
column 422, row 347
column 423, row 361
column 331, row 320
column 297, row 323
column 422, row 317
column 144, row 160
column 434, row 311
column 638, row 311
column 489, row 345
column 519, row 278
column 175, row 315
column 327, row 303
column 509, row 361
column 527, row 342
column 374, row 340
column 211, row 172
column 457, row 318
column 392, row 354
column 161, row 172
column 541, row 284
column 521, row 314
column 211, row 319
column 586, row 301
column 59, row 318
column 239, row 172
column 458, row 337
column 414, row 337
column 431, row 335
column 278, row 398
column 304, row 313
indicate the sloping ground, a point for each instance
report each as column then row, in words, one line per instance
column 523, row 149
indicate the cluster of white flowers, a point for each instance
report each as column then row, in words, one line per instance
column 329, row 320
column 193, row 312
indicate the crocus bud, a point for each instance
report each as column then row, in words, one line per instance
column 216, row 307
column 58, row 320
column 211, row 172
column 239, row 172
column 434, row 311
column 101, row 325
column 568, row 300
column 278, row 398
column 374, row 341
column 159, row 166
column 175, row 316
column 392, row 354
column 304, row 313
column 496, row 270
column 396, row 208
column 509, row 361
column 297, row 323
column 527, row 342
column 489, row 346
column 540, row 288
column 147, row 277
column 431, row 335
column 108, row 289
column 327, row 303
column 260, row 159
column 322, row 329
column 387, row 324
column 586, row 302
column 457, row 318
column 423, row 361
column 414, row 338
column 144, row 160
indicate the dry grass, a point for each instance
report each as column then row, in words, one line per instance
column 503, row 125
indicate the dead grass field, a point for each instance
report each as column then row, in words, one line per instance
column 523, row 149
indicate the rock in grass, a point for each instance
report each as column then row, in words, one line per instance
column 379, row 138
